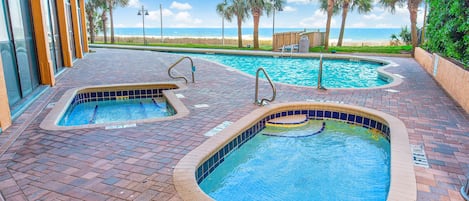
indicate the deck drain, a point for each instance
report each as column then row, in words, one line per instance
column 398, row 75
column 392, row 90
column 50, row 105
column 218, row 128
column 120, row 126
column 180, row 96
column 201, row 105
column 418, row 155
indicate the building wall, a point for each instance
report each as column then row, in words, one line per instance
column 46, row 71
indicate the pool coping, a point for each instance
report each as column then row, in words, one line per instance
column 381, row 70
column 60, row 107
column 402, row 181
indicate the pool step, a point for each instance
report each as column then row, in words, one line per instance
column 289, row 121
column 313, row 128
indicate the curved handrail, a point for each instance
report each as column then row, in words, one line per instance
column 274, row 90
column 179, row 61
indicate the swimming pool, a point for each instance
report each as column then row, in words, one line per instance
column 343, row 162
column 115, row 105
column 387, row 133
column 337, row 73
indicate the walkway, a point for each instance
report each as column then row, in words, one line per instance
column 136, row 163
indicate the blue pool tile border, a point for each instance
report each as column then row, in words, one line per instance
column 218, row 157
column 83, row 97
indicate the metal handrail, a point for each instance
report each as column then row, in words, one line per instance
column 274, row 90
column 179, row 61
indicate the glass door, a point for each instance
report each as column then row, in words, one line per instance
column 80, row 20
column 71, row 34
column 53, row 34
column 18, row 50
column 8, row 58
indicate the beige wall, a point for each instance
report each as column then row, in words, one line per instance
column 425, row 59
column 5, row 117
column 453, row 78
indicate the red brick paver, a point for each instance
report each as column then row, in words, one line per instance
column 137, row 163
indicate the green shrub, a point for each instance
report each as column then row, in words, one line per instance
column 448, row 29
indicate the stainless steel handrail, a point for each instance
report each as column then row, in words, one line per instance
column 176, row 63
column 274, row 90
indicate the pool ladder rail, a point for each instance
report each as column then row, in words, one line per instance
column 176, row 63
column 264, row 101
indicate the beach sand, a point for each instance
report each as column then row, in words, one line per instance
column 228, row 41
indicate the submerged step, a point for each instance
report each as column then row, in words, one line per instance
column 288, row 121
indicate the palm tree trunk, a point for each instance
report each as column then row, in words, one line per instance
column 89, row 16
column 345, row 7
column 256, row 17
column 112, row 22
column 104, row 26
column 412, row 5
column 240, row 34
column 330, row 6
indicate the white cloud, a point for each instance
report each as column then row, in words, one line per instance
column 299, row 1
column 289, row 9
column 318, row 19
column 155, row 14
column 134, row 4
column 358, row 25
column 373, row 16
column 184, row 19
column 180, row 6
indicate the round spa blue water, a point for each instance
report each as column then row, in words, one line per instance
column 337, row 73
column 344, row 162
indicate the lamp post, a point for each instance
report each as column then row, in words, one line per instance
column 274, row 5
column 223, row 25
column 161, row 23
column 143, row 12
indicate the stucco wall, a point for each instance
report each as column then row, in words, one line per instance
column 453, row 79
column 425, row 59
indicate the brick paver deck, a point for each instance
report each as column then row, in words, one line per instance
column 136, row 163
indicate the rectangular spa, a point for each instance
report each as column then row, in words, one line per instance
column 114, row 104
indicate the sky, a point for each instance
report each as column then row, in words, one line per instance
column 295, row 14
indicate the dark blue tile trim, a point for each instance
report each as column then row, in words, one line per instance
column 216, row 159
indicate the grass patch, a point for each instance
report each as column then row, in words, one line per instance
column 344, row 49
column 366, row 49
column 187, row 45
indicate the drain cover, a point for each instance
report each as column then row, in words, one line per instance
column 218, row 128
column 418, row 155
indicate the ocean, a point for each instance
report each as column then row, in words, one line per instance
column 350, row 35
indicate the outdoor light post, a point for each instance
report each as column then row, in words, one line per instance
column 273, row 19
column 161, row 23
column 223, row 25
column 143, row 12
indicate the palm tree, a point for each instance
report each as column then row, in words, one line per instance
column 236, row 8
column 91, row 16
column 412, row 6
column 103, row 20
column 111, row 4
column 333, row 10
column 363, row 6
column 94, row 19
column 257, row 7
column 330, row 11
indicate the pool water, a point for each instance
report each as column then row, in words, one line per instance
column 109, row 111
column 344, row 162
column 353, row 73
